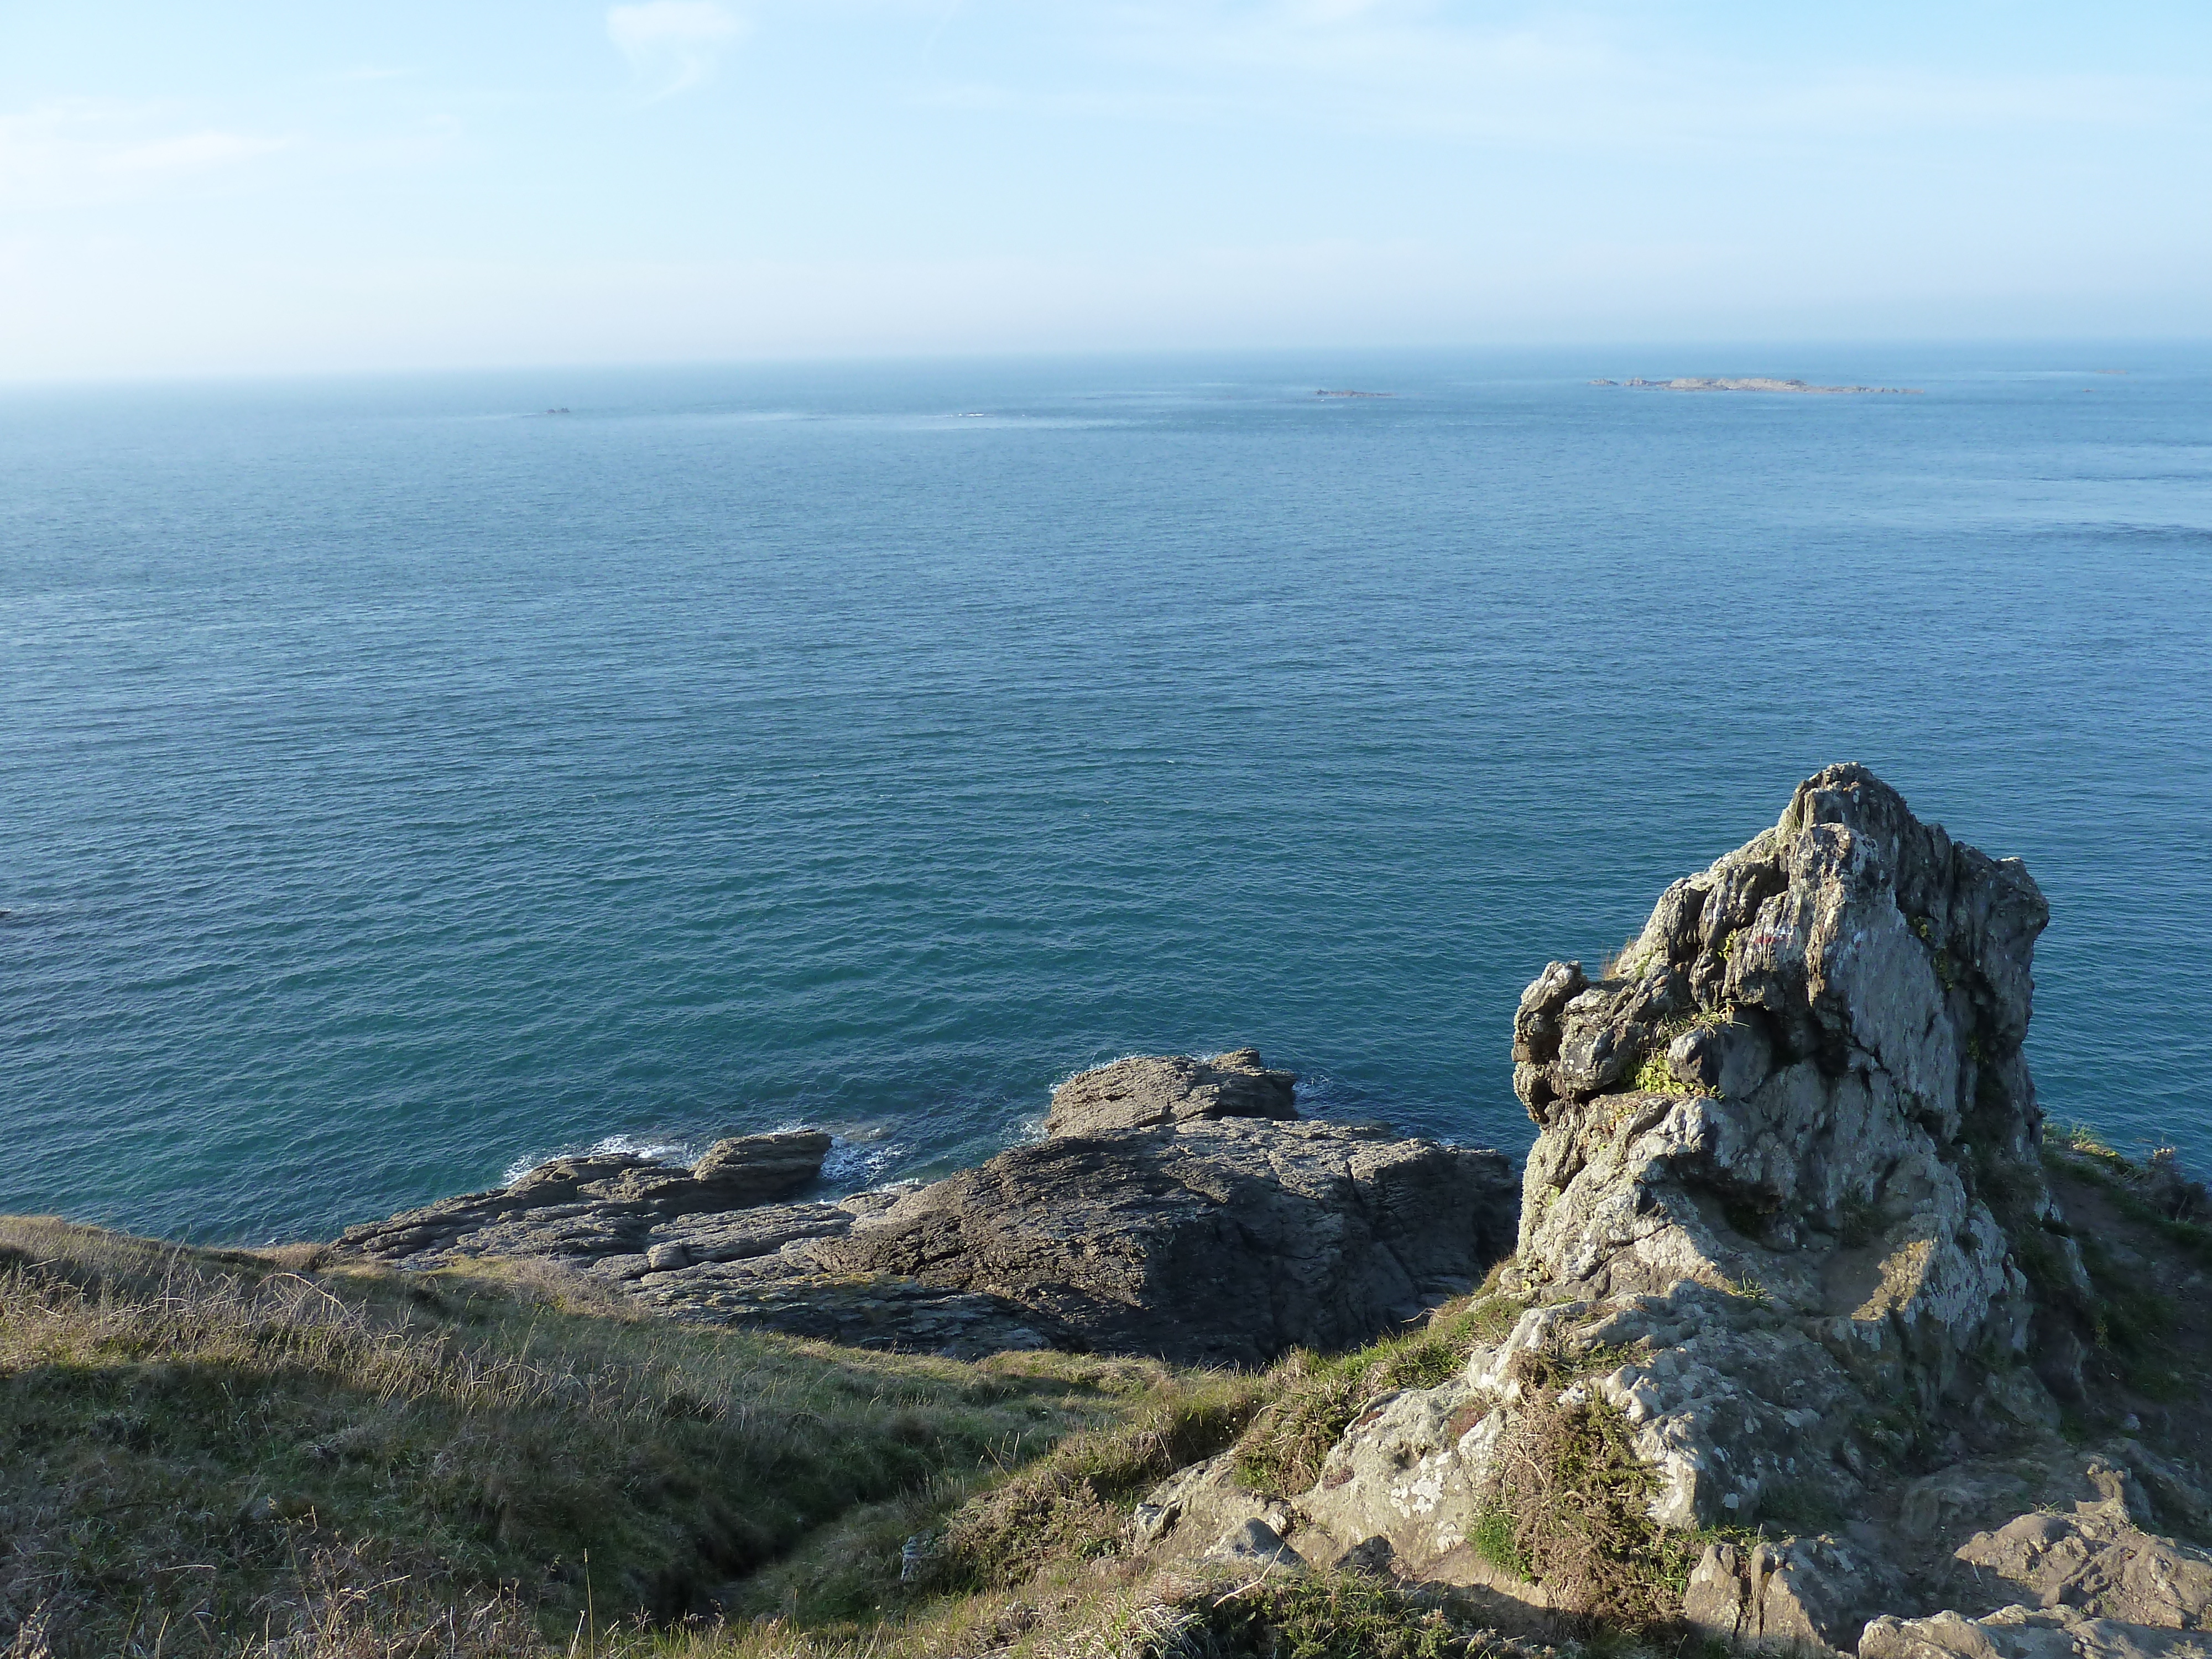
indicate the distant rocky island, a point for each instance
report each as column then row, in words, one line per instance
column 1762, row 383
column 1325, row 393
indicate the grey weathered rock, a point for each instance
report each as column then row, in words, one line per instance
column 1192, row 1508
column 2021, row 1633
column 2097, row 1563
column 1795, row 1226
column 1777, row 1228
column 1799, row 1592
column 1206, row 1241
column 754, row 1168
column 1214, row 1232
column 580, row 1211
column 1148, row 1090
column 1255, row 1544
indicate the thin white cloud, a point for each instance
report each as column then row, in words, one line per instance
column 1576, row 82
column 672, row 46
column 187, row 152
column 79, row 152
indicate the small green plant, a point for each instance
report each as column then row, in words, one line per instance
column 1493, row 1538
column 1653, row 1077
column 1626, row 962
column 1944, row 971
column 1728, row 944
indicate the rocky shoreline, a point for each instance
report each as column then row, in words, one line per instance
column 1178, row 1208
column 1795, row 1329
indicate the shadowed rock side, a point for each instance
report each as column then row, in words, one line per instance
column 1173, row 1211
column 1794, row 1315
column 1224, row 1242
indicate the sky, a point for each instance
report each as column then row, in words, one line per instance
column 233, row 187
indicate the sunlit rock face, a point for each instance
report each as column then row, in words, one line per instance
column 1770, row 1226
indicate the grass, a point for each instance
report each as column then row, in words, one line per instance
column 1310, row 1400
column 1207, row 1614
column 1070, row 1505
column 286, row 1456
column 1626, row 962
column 204, row 1443
column 2131, row 1324
column 1581, row 1515
column 2075, row 1150
column 1315, row 1616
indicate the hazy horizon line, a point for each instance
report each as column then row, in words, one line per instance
column 1013, row 356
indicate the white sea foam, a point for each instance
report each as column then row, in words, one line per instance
column 667, row 1152
column 858, row 1156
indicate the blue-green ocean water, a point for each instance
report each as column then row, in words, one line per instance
column 398, row 784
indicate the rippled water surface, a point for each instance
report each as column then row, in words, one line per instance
column 397, row 783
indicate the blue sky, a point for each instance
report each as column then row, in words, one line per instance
column 190, row 188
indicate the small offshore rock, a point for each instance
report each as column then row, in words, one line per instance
column 1179, row 1210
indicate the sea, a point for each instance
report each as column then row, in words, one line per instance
column 404, row 779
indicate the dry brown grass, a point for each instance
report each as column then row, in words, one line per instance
column 193, row 1436
column 1578, row 1497
column 284, row 1456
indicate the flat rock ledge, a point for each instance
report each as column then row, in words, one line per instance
column 1178, row 1207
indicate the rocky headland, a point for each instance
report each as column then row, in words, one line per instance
column 1797, row 1346
column 1798, row 1330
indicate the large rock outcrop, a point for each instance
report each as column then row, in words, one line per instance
column 1177, row 1208
column 1210, row 1242
column 1794, row 1316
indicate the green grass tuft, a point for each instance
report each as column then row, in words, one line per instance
column 1315, row 1616
column 1311, row 1401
